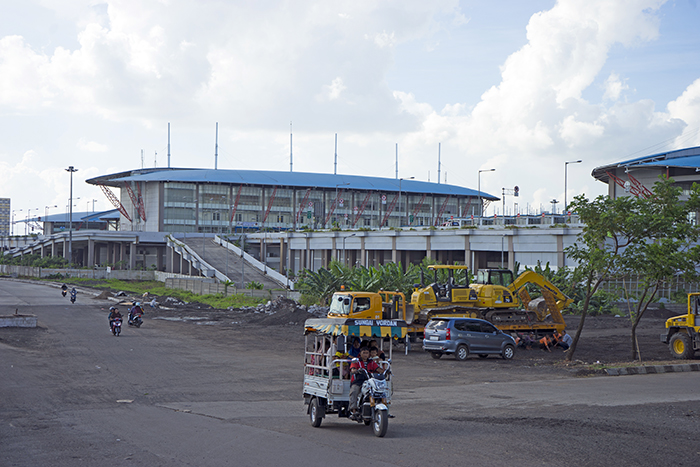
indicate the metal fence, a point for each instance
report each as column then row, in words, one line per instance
column 633, row 288
column 208, row 287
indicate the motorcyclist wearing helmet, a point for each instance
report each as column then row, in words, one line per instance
column 113, row 314
column 135, row 311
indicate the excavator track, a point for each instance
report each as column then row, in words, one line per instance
column 505, row 319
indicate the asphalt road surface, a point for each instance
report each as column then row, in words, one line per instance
column 181, row 394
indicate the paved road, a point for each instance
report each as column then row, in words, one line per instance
column 176, row 394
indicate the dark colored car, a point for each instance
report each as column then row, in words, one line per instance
column 462, row 336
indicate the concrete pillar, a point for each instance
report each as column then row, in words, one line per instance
column 428, row 248
column 159, row 258
column 132, row 255
column 90, row 252
column 65, row 248
column 307, row 255
column 334, row 249
column 561, row 258
column 394, row 255
column 511, row 253
column 363, row 253
column 53, row 247
column 283, row 257
column 468, row 253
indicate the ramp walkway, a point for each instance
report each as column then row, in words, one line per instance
column 229, row 264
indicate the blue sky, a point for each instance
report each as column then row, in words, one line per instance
column 521, row 87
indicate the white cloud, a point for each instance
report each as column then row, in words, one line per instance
column 614, row 87
column 687, row 109
column 91, row 146
column 255, row 66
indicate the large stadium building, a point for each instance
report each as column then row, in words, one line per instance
column 225, row 201
column 636, row 177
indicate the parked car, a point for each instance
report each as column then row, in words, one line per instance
column 464, row 336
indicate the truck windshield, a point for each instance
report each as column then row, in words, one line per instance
column 340, row 304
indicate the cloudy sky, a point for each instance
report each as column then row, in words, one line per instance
column 521, row 87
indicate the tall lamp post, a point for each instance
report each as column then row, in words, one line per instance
column 481, row 204
column 70, row 169
column 400, row 180
column 566, row 167
column 26, row 226
column 13, row 220
column 344, row 247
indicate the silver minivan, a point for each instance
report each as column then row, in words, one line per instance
column 464, row 336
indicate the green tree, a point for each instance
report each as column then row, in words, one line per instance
column 670, row 249
column 609, row 227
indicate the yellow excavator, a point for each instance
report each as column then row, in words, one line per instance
column 495, row 296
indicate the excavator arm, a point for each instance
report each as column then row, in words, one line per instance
column 556, row 300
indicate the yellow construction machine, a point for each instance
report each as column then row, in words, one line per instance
column 683, row 332
column 495, row 296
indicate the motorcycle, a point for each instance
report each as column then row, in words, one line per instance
column 116, row 326
column 373, row 408
column 73, row 295
column 135, row 320
column 64, row 292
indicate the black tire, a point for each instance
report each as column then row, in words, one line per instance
column 380, row 423
column 508, row 352
column 483, row 355
column 118, row 330
column 316, row 413
column 367, row 422
column 681, row 346
column 436, row 355
column 462, row 353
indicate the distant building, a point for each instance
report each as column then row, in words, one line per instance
column 226, row 201
column 4, row 217
column 637, row 176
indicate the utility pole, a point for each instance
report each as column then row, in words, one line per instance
column 70, row 169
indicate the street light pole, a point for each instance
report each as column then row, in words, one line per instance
column 400, row 180
column 566, row 167
column 481, row 204
column 13, row 220
column 70, row 169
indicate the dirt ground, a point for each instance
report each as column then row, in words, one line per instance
column 605, row 339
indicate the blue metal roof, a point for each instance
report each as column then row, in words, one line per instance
column 77, row 217
column 688, row 158
column 293, row 179
column 675, row 158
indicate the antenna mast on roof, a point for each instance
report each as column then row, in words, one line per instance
column 216, row 147
column 155, row 160
column 397, row 161
column 142, row 158
column 168, row 145
column 439, row 163
column 290, row 147
column 335, row 166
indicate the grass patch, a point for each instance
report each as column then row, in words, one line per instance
column 158, row 288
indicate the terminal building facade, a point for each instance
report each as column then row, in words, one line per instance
column 318, row 218
column 226, row 201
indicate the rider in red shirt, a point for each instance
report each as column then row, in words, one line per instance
column 357, row 377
